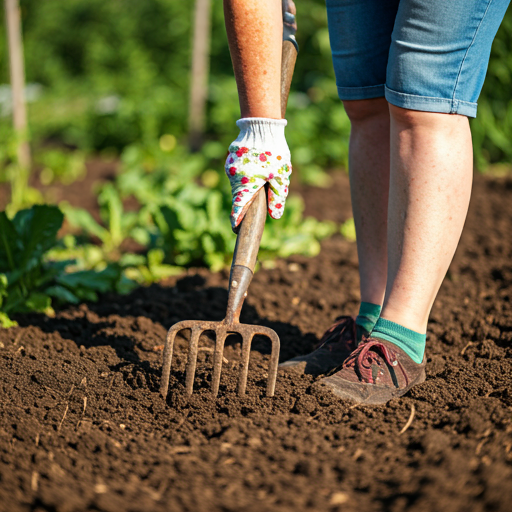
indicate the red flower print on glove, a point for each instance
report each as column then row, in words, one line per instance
column 261, row 141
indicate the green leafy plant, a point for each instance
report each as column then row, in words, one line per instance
column 29, row 281
column 190, row 221
column 119, row 224
column 149, row 268
column 24, row 240
column 194, row 228
column 294, row 234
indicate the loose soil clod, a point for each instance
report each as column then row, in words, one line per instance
column 294, row 452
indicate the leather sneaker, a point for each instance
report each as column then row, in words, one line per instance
column 336, row 345
column 374, row 373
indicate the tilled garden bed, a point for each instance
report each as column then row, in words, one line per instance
column 83, row 427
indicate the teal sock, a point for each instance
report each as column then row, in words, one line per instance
column 411, row 342
column 366, row 319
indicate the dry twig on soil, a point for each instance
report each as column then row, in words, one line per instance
column 63, row 417
column 34, row 482
column 468, row 344
column 409, row 421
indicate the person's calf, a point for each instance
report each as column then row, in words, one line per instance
column 369, row 183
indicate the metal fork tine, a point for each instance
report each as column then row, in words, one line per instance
column 274, row 362
column 221, row 331
column 244, row 363
column 192, row 359
column 220, row 338
column 166, row 369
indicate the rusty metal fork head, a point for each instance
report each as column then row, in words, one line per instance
column 222, row 330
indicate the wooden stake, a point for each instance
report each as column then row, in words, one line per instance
column 199, row 76
column 17, row 71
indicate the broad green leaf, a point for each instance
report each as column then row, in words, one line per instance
column 125, row 285
column 214, row 206
column 141, row 274
column 62, row 294
column 131, row 260
column 80, row 218
column 89, row 279
column 172, row 222
column 112, row 212
column 86, row 294
column 188, row 217
column 208, row 243
column 193, row 194
column 38, row 302
column 3, row 284
column 155, row 257
column 37, row 231
column 163, row 271
column 183, row 259
column 299, row 244
column 14, row 300
column 141, row 235
column 215, row 261
column 314, row 175
column 3, row 288
column 6, row 322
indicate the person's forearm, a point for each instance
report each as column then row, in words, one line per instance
column 255, row 33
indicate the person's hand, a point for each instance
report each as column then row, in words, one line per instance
column 258, row 156
column 289, row 7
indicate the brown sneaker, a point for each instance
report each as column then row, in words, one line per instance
column 375, row 372
column 335, row 346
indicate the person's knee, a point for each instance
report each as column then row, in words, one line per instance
column 407, row 118
column 362, row 111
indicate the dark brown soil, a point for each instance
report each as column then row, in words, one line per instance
column 83, row 426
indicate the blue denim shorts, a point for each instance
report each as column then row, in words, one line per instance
column 429, row 55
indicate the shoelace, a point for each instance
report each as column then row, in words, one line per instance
column 338, row 331
column 370, row 352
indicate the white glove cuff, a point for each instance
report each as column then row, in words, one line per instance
column 262, row 133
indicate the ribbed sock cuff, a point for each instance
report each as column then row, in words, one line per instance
column 411, row 342
column 367, row 317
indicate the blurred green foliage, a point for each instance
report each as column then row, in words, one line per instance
column 179, row 223
column 116, row 73
column 184, row 211
column 492, row 129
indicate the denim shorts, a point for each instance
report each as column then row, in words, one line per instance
column 429, row 55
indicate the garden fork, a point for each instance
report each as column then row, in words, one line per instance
column 242, row 269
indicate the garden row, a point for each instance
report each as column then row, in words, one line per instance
column 179, row 218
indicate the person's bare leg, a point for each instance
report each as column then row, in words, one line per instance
column 369, row 182
column 430, row 187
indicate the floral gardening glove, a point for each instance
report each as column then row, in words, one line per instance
column 258, row 156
